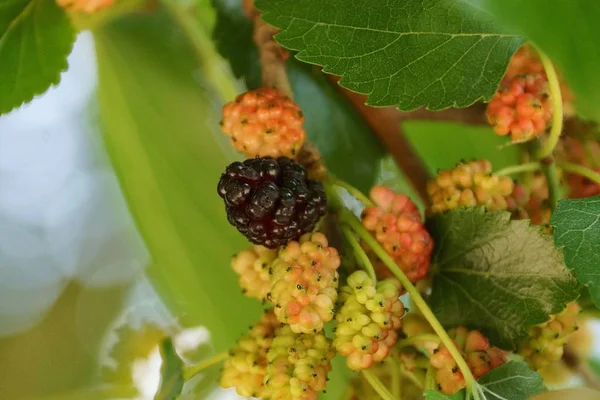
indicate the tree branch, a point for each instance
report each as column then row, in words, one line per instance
column 273, row 74
column 386, row 123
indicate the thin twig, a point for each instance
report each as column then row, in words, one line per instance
column 274, row 75
column 557, row 107
column 517, row 169
column 580, row 170
column 193, row 370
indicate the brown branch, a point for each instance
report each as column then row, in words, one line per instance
column 272, row 59
column 386, row 123
column 273, row 74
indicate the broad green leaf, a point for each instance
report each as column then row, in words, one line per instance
column 347, row 143
column 567, row 31
column 513, row 380
column 441, row 145
column 161, row 132
column 435, row 53
column 435, row 395
column 171, row 372
column 577, row 231
column 35, row 39
column 496, row 275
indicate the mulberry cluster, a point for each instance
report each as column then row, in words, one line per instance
column 270, row 200
column 397, row 225
column 521, row 107
column 298, row 364
column 252, row 265
column 246, row 367
column 546, row 341
column 304, row 283
column 264, row 122
column 476, row 350
column 526, row 61
column 468, row 185
column 368, row 320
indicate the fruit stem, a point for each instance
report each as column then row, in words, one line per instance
column 396, row 377
column 590, row 154
column 580, row 170
column 359, row 252
column 554, row 189
column 377, row 385
column 412, row 377
column 355, row 224
column 557, row 107
column 191, row 371
column 354, row 192
column 517, row 169
column 430, row 378
column 413, row 340
column 185, row 17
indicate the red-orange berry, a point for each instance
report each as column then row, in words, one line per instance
column 521, row 107
column 264, row 122
column 476, row 350
column 398, row 227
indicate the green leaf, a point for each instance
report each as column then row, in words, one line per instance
column 171, row 372
column 435, row 395
column 347, row 143
column 577, row 231
column 496, row 275
column 567, row 31
column 441, row 145
column 513, row 380
column 435, row 53
column 35, row 39
column 161, row 132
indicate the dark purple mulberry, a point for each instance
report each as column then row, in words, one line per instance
column 270, row 200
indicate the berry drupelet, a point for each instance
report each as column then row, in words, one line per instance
column 271, row 201
column 264, row 122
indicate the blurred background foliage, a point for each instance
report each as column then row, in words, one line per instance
column 111, row 231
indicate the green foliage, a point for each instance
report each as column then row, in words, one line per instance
column 442, row 145
column 513, row 380
column 496, row 275
column 171, row 372
column 577, row 231
column 567, row 31
column 161, row 131
column 438, row 53
column 35, row 40
column 332, row 124
column 435, row 395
